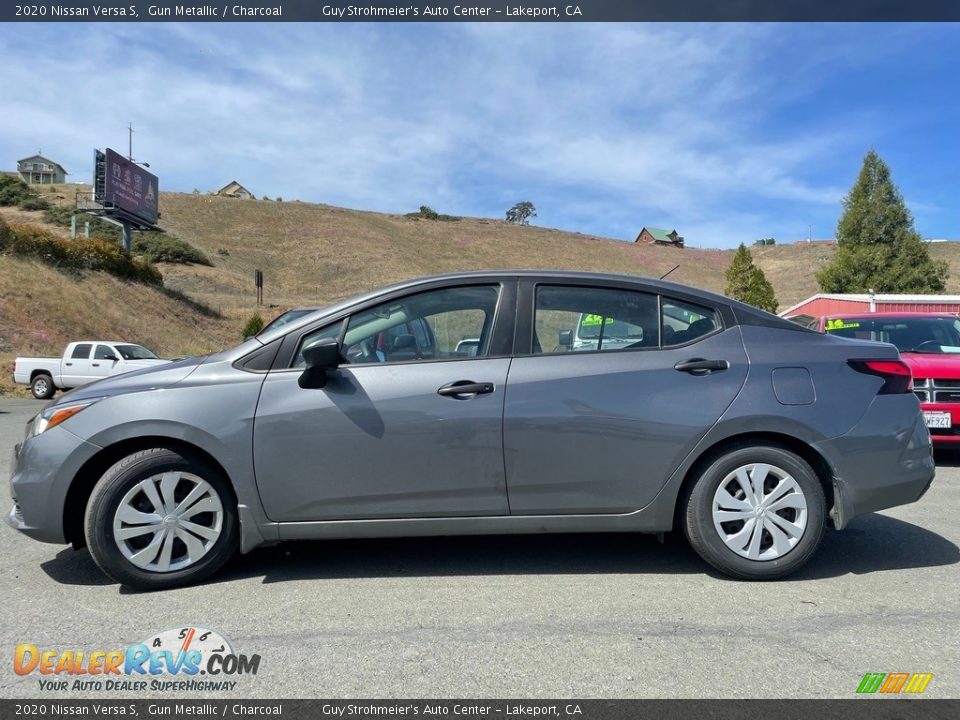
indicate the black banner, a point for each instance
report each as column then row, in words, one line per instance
column 481, row 11
column 854, row 709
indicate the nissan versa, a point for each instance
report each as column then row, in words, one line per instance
column 685, row 409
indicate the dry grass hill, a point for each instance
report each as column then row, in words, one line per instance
column 312, row 254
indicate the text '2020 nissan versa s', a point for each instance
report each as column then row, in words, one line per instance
column 372, row 418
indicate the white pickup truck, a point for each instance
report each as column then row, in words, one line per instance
column 82, row 363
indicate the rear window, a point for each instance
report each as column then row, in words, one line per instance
column 921, row 334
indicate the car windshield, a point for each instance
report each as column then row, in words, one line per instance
column 909, row 334
column 135, row 352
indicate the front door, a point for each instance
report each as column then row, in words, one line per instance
column 390, row 436
column 599, row 425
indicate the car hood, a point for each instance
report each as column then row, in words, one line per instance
column 145, row 363
column 933, row 365
column 154, row 374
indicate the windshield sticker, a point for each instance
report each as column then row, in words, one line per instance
column 840, row 324
column 589, row 320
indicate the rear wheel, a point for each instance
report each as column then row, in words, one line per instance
column 756, row 513
column 160, row 519
column 42, row 386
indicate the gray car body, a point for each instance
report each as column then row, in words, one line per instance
column 569, row 442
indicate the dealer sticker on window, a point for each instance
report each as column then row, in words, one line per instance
column 937, row 419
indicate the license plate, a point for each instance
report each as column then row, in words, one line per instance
column 937, row 419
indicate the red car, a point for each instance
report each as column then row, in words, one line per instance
column 930, row 344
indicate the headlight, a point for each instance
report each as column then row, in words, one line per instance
column 53, row 416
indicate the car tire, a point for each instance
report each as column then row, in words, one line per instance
column 42, row 386
column 749, row 538
column 153, row 495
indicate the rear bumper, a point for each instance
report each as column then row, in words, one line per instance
column 886, row 460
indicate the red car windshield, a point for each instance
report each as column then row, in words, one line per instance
column 909, row 334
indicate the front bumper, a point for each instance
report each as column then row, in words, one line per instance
column 42, row 470
column 884, row 461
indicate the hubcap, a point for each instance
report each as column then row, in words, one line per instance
column 41, row 386
column 760, row 512
column 168, row 522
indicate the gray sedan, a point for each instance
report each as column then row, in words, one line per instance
column 373, row 418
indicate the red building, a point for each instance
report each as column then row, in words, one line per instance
column 829, row 304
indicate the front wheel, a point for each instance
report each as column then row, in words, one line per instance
column 756, row 513
column 159, row 519
column 42, row 387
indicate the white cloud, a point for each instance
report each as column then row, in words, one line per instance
column 604, row 125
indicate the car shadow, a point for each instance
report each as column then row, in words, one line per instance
column 947, row 458
column 873, row 543
column 75, row 567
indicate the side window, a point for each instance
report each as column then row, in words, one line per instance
column 330, row 332
column 684, row 322
column 441, row 324
column 102, row 352
column 81, row 352
column 578, row 319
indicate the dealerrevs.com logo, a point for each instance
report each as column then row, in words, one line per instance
column 170, row 660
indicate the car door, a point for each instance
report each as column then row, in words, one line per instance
column 101, row 364
column 390, row 435
column 76, row 366
column 600, row 427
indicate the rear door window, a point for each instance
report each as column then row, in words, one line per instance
column 685, row 322
column 81, row 351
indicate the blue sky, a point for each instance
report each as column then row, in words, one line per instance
column 726, row 132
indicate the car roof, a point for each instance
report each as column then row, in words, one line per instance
column 747, row 314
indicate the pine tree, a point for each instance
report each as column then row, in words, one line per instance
column 877, row 245
column 747, row 283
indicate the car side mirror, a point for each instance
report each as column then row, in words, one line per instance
column 111, row 357
column 319, row 359
column 565, row 339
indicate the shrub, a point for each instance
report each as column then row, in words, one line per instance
column 158, row 247
column 33, row 203
column 99, row 254
column 13, row 190
column 223, row 252
column 253, row 326
column 428, row 213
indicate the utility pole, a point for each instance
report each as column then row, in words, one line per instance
column 809, row 234
column 130, row 141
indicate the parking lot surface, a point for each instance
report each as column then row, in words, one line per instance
column 523, row 616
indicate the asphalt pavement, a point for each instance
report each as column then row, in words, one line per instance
column 574, row 616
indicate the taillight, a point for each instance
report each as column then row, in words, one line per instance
column 896, row 374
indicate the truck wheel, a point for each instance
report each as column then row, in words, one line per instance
column 42, row 386
column 756, row 513
column 160, row 519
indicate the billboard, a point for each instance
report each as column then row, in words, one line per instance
column 125, row 187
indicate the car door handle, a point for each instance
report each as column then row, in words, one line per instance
column 68, row 364
column 465, row 387
column 699, row 366
column 95, row 364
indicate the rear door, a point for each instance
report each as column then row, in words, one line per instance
column 600, row 428
column 75, row 366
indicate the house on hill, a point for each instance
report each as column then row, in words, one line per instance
column 38, row 170
column 236, row 190
column 659, row 236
